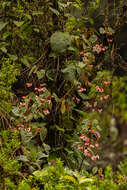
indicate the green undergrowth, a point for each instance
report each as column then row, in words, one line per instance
column 9, row 165
column 58, row 177
column 54, row 175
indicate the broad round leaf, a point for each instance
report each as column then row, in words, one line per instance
column 60, row 41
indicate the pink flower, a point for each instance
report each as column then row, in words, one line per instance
column 20, row 125
column 124, row 177
column 93, row 110
column 82, row 89
column 86, row 54
column 91, row 146
column 101, row 98
column 97, row 87
column 89, row 83
column 101, row 90
column 84, row 138
column 109, row 40
column 28, row 129
column 97, row 135
column 41, row 89
column 118, row 181
column 23, row 103
column 90, row 66
column 23, row 97
column 106, row 97
column 89, row 149
column 107, row 32
column 85, row 59
column 80, row 147
column 96, row 144
column 106, row 82
column 88, row 154
column 91, row 131
column 87, row 104
column 77, row 100
column 49, row 101
column 28, row 84
column 95, row 157
column 90, row 105
column 46, row 112
column 99, row 110
column 86, row 144
column 38, row 130
column 95, row 104
column 102, row 175
column 36, row 98
column 43, row 100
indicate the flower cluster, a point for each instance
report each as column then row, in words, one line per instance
column 36, row 104
column 89, row 145
column 81, row 89
column 99, row 48
column 77, row 100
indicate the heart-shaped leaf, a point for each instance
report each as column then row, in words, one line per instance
column 2, row 25
column 43, row 133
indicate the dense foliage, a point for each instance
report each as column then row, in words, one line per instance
column 63, row 94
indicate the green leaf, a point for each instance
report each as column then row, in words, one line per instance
column 26, row 136
column 57, row 99
column 36, row 29
column 2, row 25
column 28, row 16
column 60, row 41
column 18, row 23
column 24, row 185
column 41, row 155
column 111, row 31
column 59, row 128
column 86, row 163
column 23, row 158
column 15, row 111
column 13, row 57
column 33, row 69
column 41, row 173
column 40, row 74
column 37, row 13
column 83, row 96
column 81, row 112
column 3, row 49
column 25, row 61
column 102, row 30
column 85, row 180
column 63, row 106
column 70, row 72
column 54, row 11
column 82, row 65
column 72, row 48
column 93, row 38
column 70, row 178
column 43, row 133
column 94, row 170
column 6, row 34
column 46, row 147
